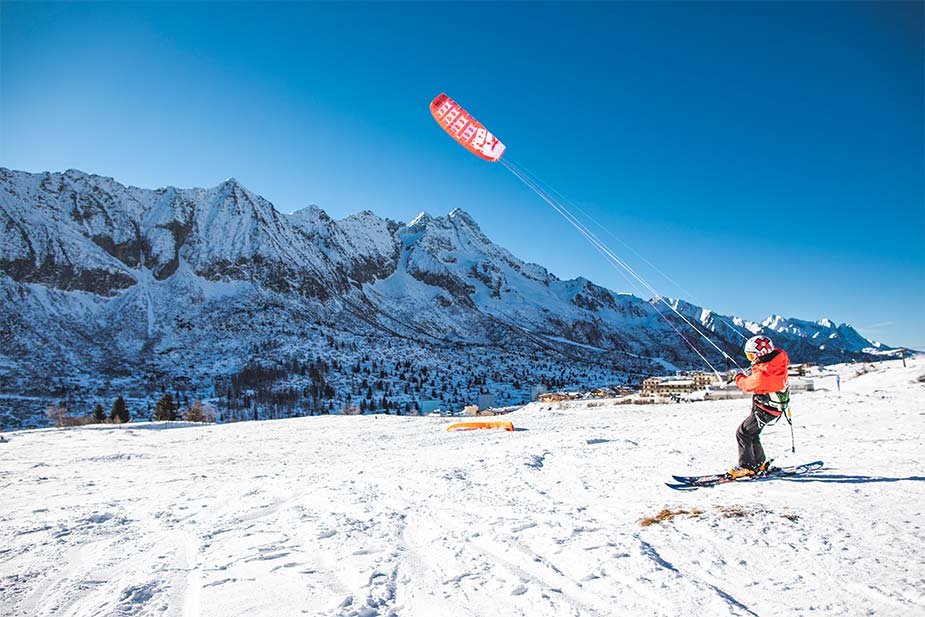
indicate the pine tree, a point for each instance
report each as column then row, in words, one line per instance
column 119, row 413
column 166, row 409
column 99, row 416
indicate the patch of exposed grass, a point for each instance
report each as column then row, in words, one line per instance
column 668, row 514
column 733, row 511
column 741, row 511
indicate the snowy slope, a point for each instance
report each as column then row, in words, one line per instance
column 381, row 515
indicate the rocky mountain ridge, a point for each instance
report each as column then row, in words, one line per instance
column 109, row 286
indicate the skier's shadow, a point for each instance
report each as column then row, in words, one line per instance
column 845, row 479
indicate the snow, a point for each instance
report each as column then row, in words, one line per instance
column 384, row 515
column 570, row 342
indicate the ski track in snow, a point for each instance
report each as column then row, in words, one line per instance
column 385, row 516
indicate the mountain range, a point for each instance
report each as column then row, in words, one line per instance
column 110, row 289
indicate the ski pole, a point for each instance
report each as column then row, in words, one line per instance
column 793, row 447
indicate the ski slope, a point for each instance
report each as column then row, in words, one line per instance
column 382, row 515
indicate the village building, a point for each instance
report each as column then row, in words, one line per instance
column 611, row 392
column 800, row 370
column 555, row 397
column 681, row 383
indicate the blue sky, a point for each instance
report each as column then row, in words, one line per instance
column 767, row 156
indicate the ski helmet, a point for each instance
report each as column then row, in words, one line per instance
column 758, row 346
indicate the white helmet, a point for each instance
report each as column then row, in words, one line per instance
column 758, row 346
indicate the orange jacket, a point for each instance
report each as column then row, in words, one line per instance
column 769, row 374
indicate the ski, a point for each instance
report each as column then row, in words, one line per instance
column 695, row 482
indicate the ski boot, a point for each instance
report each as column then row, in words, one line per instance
column 766, row 468
column 739, row 473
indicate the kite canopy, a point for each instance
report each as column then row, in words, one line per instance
column 465, row 129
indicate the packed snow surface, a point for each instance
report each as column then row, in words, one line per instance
column 384, row 515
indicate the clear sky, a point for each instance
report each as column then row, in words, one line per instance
column 767, row 156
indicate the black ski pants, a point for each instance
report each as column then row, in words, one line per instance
column 751, row 454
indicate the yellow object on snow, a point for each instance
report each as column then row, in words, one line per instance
column 472, row 426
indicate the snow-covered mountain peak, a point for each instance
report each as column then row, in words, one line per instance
column 773, row 322
column 78, row 174
column 460, row 216
column 363, row 215
column 422, row 219
column 309, row 218
column 237, row 200
column 230, row 186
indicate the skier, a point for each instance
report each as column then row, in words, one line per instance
column 768, row 382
